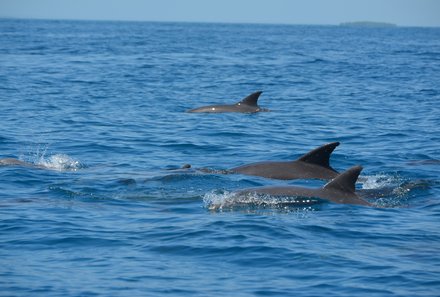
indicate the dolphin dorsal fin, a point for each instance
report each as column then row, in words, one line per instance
column 346, row 181
column 251, row 99
column 320, row 156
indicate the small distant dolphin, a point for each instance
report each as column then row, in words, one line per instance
column 247, row 105
column 314, row 164
column 340, row 190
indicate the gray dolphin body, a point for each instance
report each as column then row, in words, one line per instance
column 340, row 190
column 13, row 161
column 314, row 164
column 247, row 105
column 16, row 162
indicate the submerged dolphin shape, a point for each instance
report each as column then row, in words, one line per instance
column 247, row 105
column 340, row 190
column 314, row 164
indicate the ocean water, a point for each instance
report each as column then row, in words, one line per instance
column 97, row 110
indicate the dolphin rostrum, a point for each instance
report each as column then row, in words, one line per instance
column 339, row 190
column 314, row 164
column 247, row 105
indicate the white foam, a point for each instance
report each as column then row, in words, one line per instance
column 216, row 201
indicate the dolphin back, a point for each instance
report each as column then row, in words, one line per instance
column 247, row 105
column 13, row 161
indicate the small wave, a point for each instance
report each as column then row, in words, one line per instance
column 59, row 162
column 388, row 190
column 219, row 201
column 390, row 185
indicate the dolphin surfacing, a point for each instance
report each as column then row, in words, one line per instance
column 314, row 164
column 247, row 105
column 339, row 190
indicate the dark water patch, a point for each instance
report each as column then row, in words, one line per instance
column 429, row 55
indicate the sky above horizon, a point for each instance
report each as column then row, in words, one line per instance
column 322, row 12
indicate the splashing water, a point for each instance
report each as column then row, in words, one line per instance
column 378, row 181
column 59, row 162
column 388, row 190
column 229, row 201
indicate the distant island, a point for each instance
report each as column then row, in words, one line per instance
column 368, row 24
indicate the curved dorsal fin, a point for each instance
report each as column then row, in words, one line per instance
column 320, row 156
column 251, row 99
column 346, row 180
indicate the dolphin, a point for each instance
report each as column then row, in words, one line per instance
column 314, row 164
column 247, row 105
column 339, row 190
column 17, row 162
column 13, row 161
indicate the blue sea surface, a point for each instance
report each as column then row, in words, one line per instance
column 97, row 110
